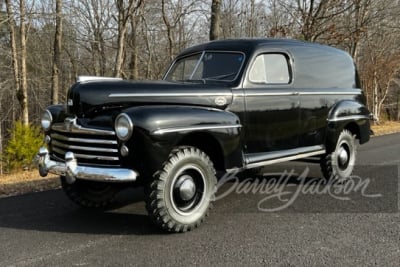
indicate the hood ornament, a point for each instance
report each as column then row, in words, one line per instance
column 69, row 123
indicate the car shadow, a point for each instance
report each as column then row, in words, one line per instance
column 52, row 211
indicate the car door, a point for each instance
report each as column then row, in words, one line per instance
column 272, row 107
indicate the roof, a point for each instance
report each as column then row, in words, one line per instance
column 313, row 64
column 244, row 45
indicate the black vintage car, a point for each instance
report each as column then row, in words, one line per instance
column 223, row 106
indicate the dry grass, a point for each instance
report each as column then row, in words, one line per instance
column 386, row 127
column 26, row 182
column 30, row 181
column 23, row 176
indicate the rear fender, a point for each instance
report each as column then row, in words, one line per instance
column 350, row 115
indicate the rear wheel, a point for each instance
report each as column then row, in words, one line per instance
column 338, row 165
column 88, row 194
column 181, row 193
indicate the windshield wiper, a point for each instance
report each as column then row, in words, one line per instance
column 202, row 81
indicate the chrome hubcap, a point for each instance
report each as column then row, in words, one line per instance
column 343, row 156
column 186, row 187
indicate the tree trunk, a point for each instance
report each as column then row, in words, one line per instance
column 55, row 78
column 121, row 41
column 124, row 14
column 23, row 94
column 375, row 97
column 14, row 50
column 169, row 31
column 133, row 65
column 215, row 20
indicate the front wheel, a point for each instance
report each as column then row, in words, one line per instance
column 88, row 194
column 181, row 193
column 339, row 164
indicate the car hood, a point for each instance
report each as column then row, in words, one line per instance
column 87, row 99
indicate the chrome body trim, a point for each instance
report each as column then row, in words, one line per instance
column 70, row 126
column 351, row 117
column 284, row 159
column 194, row 128
column 271, row 94
column 84, row 78
column 72, row 171
column 295, row 93
column 229, row 94
column 331, row 93
column 168, row 94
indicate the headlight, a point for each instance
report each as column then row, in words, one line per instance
column 123, row 127
column 46, row 120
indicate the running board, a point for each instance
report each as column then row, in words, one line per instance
column 261, row 159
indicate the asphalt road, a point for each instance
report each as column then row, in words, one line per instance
column 46, row 229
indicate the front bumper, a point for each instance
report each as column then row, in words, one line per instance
column 72, row 171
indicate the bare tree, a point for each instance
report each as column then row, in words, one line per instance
column 215, row 21
column 134, row 44
column 125, row 13
column 14, row 51
column 57, row 54
column 313, row 18
column 19, row 58
column 23, row 92
column 95, row 34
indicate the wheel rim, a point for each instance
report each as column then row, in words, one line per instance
column 188, row 190
column 343, row 156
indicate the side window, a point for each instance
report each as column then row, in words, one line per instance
column 270, row 69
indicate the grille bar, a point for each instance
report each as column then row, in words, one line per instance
column 83, row 140
column 83, row 156
column 75, row 128
column 91, row 147
column 84, row 148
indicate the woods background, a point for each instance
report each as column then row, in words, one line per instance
column 46, row 44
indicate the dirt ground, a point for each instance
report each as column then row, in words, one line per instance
column 30, row 181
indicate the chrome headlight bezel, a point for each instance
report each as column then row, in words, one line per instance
column 123, row 127
column 46, row 120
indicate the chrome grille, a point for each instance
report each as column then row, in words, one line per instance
column 90, row 147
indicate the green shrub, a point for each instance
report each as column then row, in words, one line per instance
column 22, row 147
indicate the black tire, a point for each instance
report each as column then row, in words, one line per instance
column 88, row 194
column 180, row 195
column 338, row 165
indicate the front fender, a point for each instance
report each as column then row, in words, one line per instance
column 157, row 120
column 58, row 112
column 158, row 129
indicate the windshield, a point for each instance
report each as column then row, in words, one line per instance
column 206, row 66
